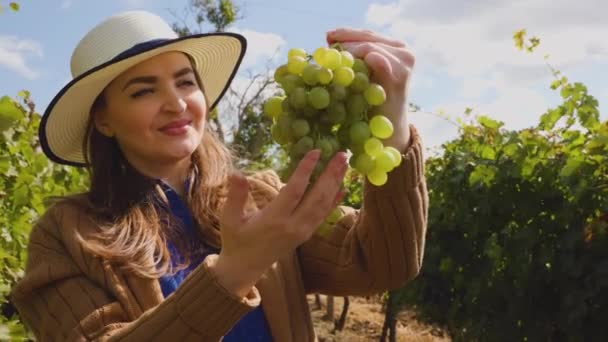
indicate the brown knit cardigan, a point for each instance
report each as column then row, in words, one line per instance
column 70, row 295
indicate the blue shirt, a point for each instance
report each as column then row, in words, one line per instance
column 253, row 326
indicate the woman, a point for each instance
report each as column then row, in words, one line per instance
column 170, row 243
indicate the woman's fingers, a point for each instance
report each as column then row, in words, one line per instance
column 232, row 212
column 321, row 198
column 292, row 193
column 377, row 55
column 354, row 35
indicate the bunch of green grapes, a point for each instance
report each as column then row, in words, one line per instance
column 330, row 104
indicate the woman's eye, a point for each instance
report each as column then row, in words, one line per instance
column 185, row 83
column 141, row 92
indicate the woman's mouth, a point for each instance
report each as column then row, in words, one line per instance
column 177, row 127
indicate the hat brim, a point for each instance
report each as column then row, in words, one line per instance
column 217, row 57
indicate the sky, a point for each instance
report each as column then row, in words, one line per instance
column 465, row 56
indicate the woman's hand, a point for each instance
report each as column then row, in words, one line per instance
column 391, row 64
column 252, row 242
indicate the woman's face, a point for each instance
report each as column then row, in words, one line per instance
column 155, row 110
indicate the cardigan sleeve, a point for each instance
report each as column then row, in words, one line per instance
column 64, row 296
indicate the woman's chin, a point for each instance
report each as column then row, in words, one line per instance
column 180, row 152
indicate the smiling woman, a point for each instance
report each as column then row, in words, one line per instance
column 171, row 242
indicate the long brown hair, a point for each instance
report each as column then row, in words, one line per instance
column 125, row 203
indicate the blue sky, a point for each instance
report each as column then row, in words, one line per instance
column 465, row 55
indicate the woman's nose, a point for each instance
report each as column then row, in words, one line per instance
column 174, row 102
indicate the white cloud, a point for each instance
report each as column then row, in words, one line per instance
column 261, row 47
column 13, row 54
column 517, row 107
column 469, row 44
column 472, row 37
column 65, row 4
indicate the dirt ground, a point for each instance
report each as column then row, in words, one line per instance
column 364, row 323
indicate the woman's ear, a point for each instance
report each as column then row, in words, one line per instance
column 100, row 119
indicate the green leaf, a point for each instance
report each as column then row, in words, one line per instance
column 24, row 94
column 511, row 150
column 9, row 113
column 518, row 38
column 482, row 174
column 599, row 142
column 572, row 165
column 487, row 152
column 550, row 118
column 14, row 6
column 488, row 122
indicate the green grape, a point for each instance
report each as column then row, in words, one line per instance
column 332, row 59
column 338, row 92
column 335, row 144
column 310, row 74
column 324, row 229
column 364, row 163
column 298, row 98
column 377, row 177
column 331, row 105
column 344, row 76
column 280, row 72
column 285, row 106
column 301, row 147
column 318, row 55
column 381, row 126
column 359, row 83
column 279, row 136
column 300, row 128
column 296, row 64
column 373, row 146
column 343, row 135
column 357, row 148
column 334, row 216
column 284, row 123
column 325, row 76
column 352, row 160
column 374, row 94
column 336, row 112
column 324, row 123
column 326, row 148
column 356, row 107
column 347, row 59
column 324, row 126
column 360, row 66
column 359, row 132
column 309, row 112
column 291, row 82
column 385, row 161
column 396, row 155
column 296, row 52
column 318, row 98
column 316, row 172
column 273, row 107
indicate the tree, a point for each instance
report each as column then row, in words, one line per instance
column 28, row 180
column 517, row 246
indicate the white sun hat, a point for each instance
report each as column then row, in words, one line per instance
column 112, row 47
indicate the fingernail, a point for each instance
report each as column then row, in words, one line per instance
column 313, row 155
